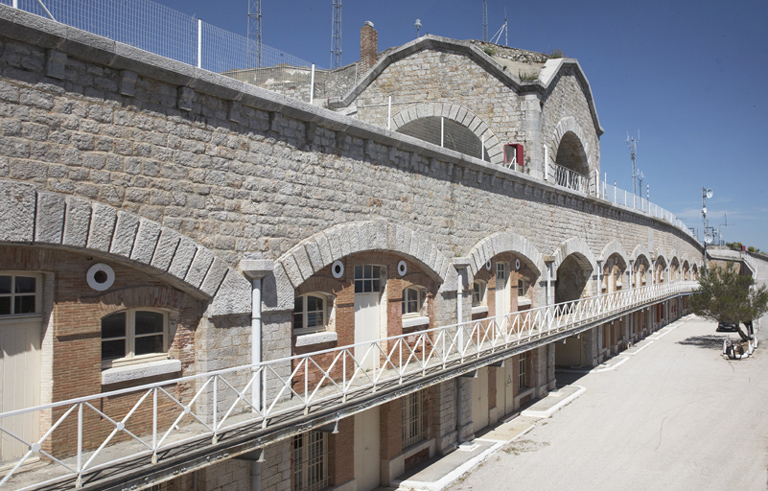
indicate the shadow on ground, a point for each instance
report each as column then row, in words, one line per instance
column 704, row 342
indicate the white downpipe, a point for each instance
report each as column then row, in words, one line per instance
column 442, row 132
column 389, row 113
column 256, row 475
column 199, row 43
column 460, row 307
column 546, row 163
column 312, row 85
column 256, row 338
column 482, row 149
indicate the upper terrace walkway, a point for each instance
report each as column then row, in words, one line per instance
column 176, row 426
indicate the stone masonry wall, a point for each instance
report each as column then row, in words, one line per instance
column 250, row 174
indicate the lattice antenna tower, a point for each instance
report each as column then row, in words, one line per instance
column 485, row 21
column 254, row 33
column 336, row 35
column 632, row 145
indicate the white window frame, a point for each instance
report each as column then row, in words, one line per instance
column 326, row 299
column 479, row 298
column 130, row 357
column 38, row 294
column 414, row 427
column 309, row 465
column 524, row 282
column 522, row 372
column 420, row 301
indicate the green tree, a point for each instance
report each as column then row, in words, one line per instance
column 727, row 296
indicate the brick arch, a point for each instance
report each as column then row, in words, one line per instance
column 569, row 125
column 52, row 219
column 460, row 115
column 614, row 247
column 577, row 248
column 501, row 242
column 316, row 252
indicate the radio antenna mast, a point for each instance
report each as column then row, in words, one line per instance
column 336, row 35
column 632, row 145
column 254, row 33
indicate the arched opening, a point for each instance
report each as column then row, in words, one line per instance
column 572, row 278
column 571, row 164
column 639, row 275
column 660, row 273
column 446, row 133
column 613, row 270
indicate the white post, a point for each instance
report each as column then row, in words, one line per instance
column 15, row 4
column 312, row 85
column 199, row 43
column 460, row 307
column 614, row 192
column 256, row 338
column 546, row 163
column 482, row 149
column 442, row 131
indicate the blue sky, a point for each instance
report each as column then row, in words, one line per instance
column 689, row 76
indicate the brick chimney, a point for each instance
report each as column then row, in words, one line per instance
column 369, row 47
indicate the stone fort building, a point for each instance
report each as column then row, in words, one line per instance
column 205, row 284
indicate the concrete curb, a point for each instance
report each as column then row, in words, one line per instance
column 532, row 413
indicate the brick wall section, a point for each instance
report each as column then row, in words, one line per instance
column 76, row 346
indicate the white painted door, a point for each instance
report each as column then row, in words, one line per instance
column 502, row 288
column 367, row 457
column 480, row 400
column 509, row 386
column 367, row 314
column 19, row 383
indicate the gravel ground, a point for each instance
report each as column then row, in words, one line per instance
column 676, row 415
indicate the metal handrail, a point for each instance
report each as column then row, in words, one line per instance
column 570, row 179
column 170, row 413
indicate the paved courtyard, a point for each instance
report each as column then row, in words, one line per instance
column 674, row 415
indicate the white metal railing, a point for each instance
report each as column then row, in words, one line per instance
column 618, row 196
column 141, row 424
column 570, row 179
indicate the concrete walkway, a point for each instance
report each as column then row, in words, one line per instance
column 457, row 467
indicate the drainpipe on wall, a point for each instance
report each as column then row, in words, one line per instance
column 462, row 265
column 256, row 270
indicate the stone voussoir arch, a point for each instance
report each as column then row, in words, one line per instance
column 460, row 115
column 33, row 217
column 641, row 250
column 579, row 249
column 614, row 247
column 320, row 250
column 501, row 242
column 569, row 125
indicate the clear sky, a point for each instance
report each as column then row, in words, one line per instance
column 687, row 77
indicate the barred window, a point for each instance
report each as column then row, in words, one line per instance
column 522, row 376
column 446, row 133
column 310, row 461
column 414, row 429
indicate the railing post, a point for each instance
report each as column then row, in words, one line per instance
column 79, row 481
column 199, row 43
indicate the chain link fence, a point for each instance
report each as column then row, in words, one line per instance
column 158, row 29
